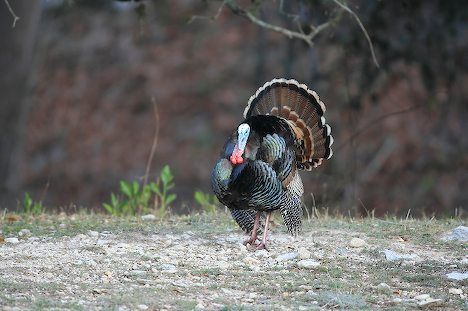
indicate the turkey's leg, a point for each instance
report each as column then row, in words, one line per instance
column 262, row 245
column 253, row 235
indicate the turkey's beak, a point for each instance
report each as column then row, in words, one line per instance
column 243, row 132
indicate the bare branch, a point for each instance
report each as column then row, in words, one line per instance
column 300, row 33
column 15, row 17
column 212, row 18
column 288, row 33
column 294, row 17
column 371, row 46
column 308, row 38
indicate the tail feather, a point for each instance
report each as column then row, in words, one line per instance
column 303, row 110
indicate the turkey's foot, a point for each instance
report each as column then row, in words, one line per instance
column 261, row 246
column 253, row 233
column 250, row 242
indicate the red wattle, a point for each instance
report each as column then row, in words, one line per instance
column 233, row 159
column 236, row 158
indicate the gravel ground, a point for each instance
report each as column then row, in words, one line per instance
column 186, row 265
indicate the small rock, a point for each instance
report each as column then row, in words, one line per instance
column 243, row 248
column 308, row 264
column 455, row 275
column 458, row 234
column 383, row 288
column 24, row 232
column 143, row 307
column 102, row 242
column 93, row 233
column 231, row 238
column 422, row 297
column 287, row 256
column 223, row 265
column 397, row 300
column 168, row 268
column 62, row 226
column 262, row 253
column 80, row 236
column 122, row 245
column 429, row 301
column 49, row 275
column 12, row 240
column 137, row 273
column 357, row 242
column 392, row 256
column 341, row 251
column 455, row 291
column 33, row 239
column 148, row 217
column 303, row 253
column 251, row 261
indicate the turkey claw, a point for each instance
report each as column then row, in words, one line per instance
column 249, row 242
column 261, row 246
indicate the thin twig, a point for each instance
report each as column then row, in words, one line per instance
column 312, row 209
column 155, row 142
column 307, row 211
column 362, row 204
column 15, row 17
column 358, row 20
column 288, row 33
column 212, row 18
column 294, row 17
column 408, row 214
column 308, row 38
column 44, row 191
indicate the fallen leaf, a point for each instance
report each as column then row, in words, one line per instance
column 12, row 218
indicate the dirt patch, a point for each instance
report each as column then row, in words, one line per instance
column 199, row 262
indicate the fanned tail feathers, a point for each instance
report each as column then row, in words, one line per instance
column 303, row 110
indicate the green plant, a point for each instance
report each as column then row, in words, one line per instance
column 161, row 188
column 136, row 199
column 116, row 206
column 32, row 207
column 208, row 202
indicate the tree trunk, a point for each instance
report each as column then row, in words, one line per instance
column 16, row 55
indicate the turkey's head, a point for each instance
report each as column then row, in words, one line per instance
column 243, row 132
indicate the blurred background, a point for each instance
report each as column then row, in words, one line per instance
column 81, row 81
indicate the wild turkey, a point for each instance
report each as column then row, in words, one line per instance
column 283, row 131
